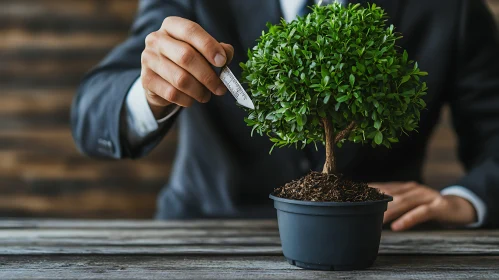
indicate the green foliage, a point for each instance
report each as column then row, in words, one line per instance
column 340, row 63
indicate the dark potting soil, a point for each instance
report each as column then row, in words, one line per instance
column 317, row 186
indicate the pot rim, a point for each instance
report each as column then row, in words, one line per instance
column 329, row 203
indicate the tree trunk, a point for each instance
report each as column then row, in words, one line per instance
column 330, row 164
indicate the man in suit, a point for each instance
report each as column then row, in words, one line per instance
column 131, row 99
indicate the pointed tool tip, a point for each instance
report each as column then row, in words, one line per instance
column 248, row 104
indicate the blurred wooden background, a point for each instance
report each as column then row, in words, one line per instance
column 46, row 47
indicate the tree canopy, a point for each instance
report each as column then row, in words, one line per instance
column 339, row 67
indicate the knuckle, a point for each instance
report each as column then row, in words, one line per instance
column 151, row 95
column 412, row 184
column 172, row 95
column 182, row 80
column 425, row 210
column 151, row 39
column 210, row 80
column 168, row 21
column 206, row 44
column 186, row 56
column 191, row 27
column 441, row 201
column 145, row 58
column 401, row 200
column 147, row 78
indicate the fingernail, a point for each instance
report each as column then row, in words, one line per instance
column 221, row 90
column 220, row 60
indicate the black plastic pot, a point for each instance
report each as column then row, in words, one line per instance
column 330, row 235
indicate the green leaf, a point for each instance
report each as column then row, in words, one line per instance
column 393, row 140
column 405, row 57
column 326, row 99
column 378, row 139
column 352, row 80
column 361, row 67
column 377, row 125
column 342, row 98
column 337, row 107
column 324, row 71
column 299, row 120
column 405, row 79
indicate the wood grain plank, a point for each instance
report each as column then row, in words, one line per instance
column 164, row 241
column 238, row 267
column 218, row 249
column 209, row 250
column 201, row 237
column 134, row 224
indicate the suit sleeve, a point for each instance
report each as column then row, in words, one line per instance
column 475, row 104
column 97, row 107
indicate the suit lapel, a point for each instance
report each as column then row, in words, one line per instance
column 251, row 17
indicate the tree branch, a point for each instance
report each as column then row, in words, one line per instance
column 344, row 133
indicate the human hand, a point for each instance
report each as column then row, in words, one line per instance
column 414, row 204
column 176, row 65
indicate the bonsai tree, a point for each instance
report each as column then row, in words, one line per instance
column 335, row 75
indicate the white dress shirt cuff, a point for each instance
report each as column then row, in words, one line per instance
column 480, row 207
column 174, row 109
column 139, row 117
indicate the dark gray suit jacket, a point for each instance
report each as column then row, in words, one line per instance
column 220, row 171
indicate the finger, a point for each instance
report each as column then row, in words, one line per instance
column 386, row 185
column 180, row 79
column 229, row 51
column 405, row 202
column 397, row 189
column 193, row 34
column 160, row 93
column 191, row 61
column 414, row 217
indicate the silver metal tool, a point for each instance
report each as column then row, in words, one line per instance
column 235, row 88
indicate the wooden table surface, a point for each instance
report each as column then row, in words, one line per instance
column 54, row 249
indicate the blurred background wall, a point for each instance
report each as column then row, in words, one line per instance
column 46, row 46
